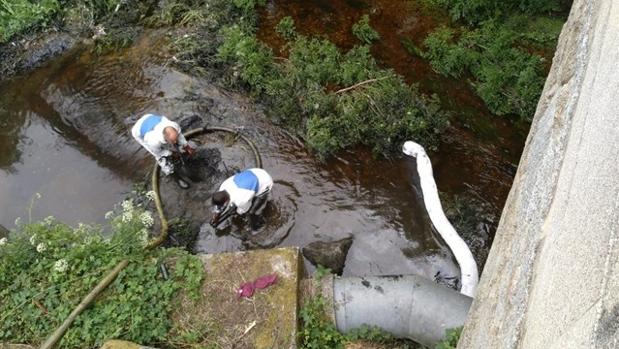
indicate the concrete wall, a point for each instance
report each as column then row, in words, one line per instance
column 552, row 277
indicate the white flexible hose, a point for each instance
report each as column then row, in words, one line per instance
column 464, row 257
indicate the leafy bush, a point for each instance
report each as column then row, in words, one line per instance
column 506, row 77
column 334, row 99
column 19, row 15
column 286, row 28
column 477, row 11
column 317, row 332
column 364, row 32
column 253, row 61
column 47, row 267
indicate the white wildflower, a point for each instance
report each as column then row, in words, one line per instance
column 144, row 236
column 61, row 265
column 150, row 195
column 33, row 239
column 41, row 247
column 38, row 195
column 48, row 220
column 17, row 221
column 3, row 241
column 109, row 214
column 147, row 219
column 127, row 205
column 126, row 217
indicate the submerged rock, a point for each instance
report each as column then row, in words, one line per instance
column 329, row 254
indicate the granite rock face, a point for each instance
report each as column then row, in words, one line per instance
column 552, row 276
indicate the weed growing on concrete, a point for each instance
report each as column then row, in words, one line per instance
column 451, row 339
column 47, row 267
column 317, row 331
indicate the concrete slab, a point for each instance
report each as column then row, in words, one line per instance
column 552, row 276
column 266, row 320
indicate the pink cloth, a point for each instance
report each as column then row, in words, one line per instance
column 247, row 289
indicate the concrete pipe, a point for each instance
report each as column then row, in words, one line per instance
column 406, row 306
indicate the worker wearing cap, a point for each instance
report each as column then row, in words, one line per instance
column 246, row 191
column 162, row 138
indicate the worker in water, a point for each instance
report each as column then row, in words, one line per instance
column 246, row 191
column 163, row 138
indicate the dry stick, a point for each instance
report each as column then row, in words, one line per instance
column 57, row 335
column 359, row 84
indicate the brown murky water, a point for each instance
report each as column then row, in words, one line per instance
column 64, row 134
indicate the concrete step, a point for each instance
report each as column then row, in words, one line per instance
column 266, row 320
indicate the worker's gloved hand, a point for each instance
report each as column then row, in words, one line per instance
column 189, row 148
column 221, row 214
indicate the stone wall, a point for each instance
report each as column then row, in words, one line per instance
column 552, row 276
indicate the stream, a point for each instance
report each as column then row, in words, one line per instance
column 64, row 136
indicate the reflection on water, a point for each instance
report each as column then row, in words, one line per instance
column 65, row 135
column 44, row 174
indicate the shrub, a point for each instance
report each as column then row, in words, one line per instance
column 317, row 332
column 477, row 11
column 251, row 60
column 364, row 32
column 286, row 28
column 19, row 15
column 506, row 77
column 334, row 99
column 47, row 267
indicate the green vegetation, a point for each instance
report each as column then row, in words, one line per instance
column 364, row 32
column 47, row 267
column 317, row 331
column 507, row 78
column 17, row 16
column 477, row 11
column 286, row 28
column 451, row 340
column 333, row 99
column 505, row 51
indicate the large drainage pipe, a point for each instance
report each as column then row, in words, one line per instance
column 408, row 306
